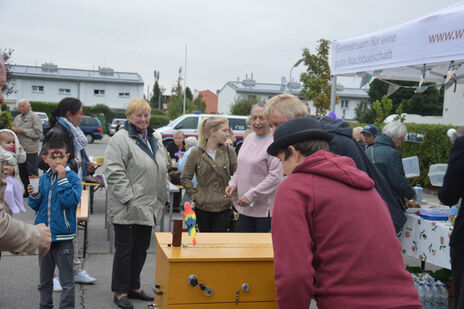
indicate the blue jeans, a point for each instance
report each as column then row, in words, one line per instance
column 254, row 225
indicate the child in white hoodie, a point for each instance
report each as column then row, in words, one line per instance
column 12, row 153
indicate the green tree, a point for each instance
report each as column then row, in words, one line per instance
column 176, row 106
column 98, row 110
column 188, row 94
column 7, row 55
column 5, row 117
column 382, row 109
column 198, row 104
column 154, row 100
column 176, row 101
column 428, row 103
column 365, row 113
column 316, row 79
column 242, row 105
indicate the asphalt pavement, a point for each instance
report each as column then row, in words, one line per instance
column 20, row 274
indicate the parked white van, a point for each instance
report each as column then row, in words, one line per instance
column 189, row 124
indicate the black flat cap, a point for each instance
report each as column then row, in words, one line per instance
column 297, row 130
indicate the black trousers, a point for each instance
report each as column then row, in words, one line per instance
column 213, row 221
column 457, row 270
column 131, row 243
column 28, row 168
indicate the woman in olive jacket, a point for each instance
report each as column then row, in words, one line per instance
column 213, row 163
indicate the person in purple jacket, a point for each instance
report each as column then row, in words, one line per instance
column 257, row 177
column 332, row 236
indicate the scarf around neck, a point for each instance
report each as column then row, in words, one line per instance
column 80, row 141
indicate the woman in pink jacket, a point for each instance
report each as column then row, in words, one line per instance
column 257, row 177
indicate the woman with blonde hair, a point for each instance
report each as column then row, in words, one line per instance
column 213, row 163
column 136, row 171
column 357, row 136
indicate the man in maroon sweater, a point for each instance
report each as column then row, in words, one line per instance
column 332, row 234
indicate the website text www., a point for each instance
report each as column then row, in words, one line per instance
column 446, row 36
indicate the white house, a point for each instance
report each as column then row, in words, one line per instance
column 453, row 106
column 49, row 83
column 349, row 98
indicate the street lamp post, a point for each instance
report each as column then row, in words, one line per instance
column 294, row 66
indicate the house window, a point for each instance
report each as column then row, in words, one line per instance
column 38, row 89
column 99, row 92
column 124, row 94
column 345, row 103
column 64, row 91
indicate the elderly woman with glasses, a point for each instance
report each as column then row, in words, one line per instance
column 136, row 171
column 257, row 177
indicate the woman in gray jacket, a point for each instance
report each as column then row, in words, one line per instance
column 136, row 172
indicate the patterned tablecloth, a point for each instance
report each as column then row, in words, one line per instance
column 427, row 240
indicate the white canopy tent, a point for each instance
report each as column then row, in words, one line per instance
column 431, row 47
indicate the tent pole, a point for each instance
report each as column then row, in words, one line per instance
column 333, row 93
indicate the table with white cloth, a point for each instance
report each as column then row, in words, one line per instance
column 427, row 240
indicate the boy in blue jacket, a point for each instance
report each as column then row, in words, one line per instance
column 55, row 205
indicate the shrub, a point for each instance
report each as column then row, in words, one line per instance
column 44, row 107
column 157, row 121
column 98, row 110
column 5, row 117
column 434, row 149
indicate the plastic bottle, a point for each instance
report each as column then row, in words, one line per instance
column 421, row 291
column 419, row 190
column 436, row 299
column 443, row 292
column 428, row 297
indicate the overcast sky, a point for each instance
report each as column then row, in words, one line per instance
column 226, row 39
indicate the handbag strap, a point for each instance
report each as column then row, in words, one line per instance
column 397, row 197
column 372, row 155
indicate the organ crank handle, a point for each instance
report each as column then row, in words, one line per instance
column 192, row 280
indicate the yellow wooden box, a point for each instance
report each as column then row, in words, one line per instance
column 223, row 262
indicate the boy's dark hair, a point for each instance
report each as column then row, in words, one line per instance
column 307, row 148
column 54, row 144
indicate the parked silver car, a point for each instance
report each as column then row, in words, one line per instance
column 43, row 117
column 112, row 129
column 189, row 124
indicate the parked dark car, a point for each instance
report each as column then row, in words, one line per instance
column 89, row 125
column 92, row 128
